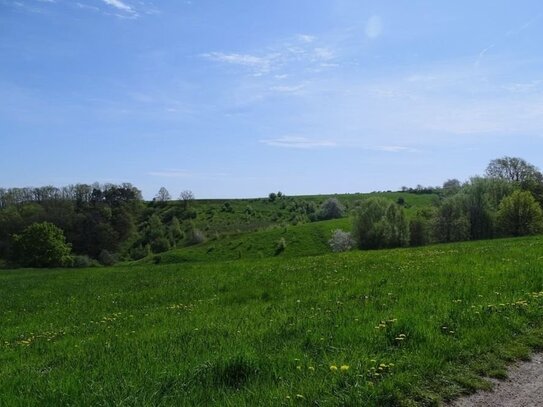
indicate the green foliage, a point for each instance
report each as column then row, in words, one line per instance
column 139, row 252
column 380, row 223
column 106, row 258
column 451, row 223
column 420, row 228
column 160, row 244
column 520, row 214
column 280, row 246
column 331, row 209
column 41, row 245
column 82, row 261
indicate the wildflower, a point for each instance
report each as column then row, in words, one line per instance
column 333, row 368
column 344, row 368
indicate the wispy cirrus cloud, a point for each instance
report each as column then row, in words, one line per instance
column 300, row 53
column 298, row 142
column 259, row 64
column 119, row 5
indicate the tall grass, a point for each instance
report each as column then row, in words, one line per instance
column 395, row 327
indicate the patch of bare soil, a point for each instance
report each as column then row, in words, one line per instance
column 522, row 388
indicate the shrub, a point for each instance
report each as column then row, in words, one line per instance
column 197, row 237
column 140, row 252
column 520, row 214
column 341, row 241
column 42, row 245
column 160, row 244
column 331, row 209
column 83, row 262
column 106, row 258
column 281, row 246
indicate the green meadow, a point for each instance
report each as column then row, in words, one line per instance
column 393, row 327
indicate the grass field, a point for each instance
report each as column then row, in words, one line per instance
column 394, row 327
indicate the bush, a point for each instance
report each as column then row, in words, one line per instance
column 160, row 244
column 83, row 262
column 520, row 214
column 197, row 237
column 341, row 241
column 281, row 246
column 106, row 258
column 42, row 245
column 140, row 252
column 331, row 209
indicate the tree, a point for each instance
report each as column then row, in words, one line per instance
column 451, row 187
column 175, row 233
column 42, row 245
column 480, row 211
column 451, row 223
column 380, row 223
column 331, row 209
column 520, row 214
column 187, row 197
column 513, row 169
column 163, row 195
column 420, row 227
column 396, row 226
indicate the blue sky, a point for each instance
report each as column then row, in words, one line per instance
column 241, row 98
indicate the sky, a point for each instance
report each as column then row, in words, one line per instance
column 241, row 98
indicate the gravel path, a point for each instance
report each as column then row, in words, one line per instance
column 522, row 388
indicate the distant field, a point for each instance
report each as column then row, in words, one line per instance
column 409, row 327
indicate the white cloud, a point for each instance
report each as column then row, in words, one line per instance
column 298, row 142
column 374, row 27
column 260, row 64
column 324, row 54
column 120, row 5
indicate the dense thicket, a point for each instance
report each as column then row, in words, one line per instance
column 92, row 217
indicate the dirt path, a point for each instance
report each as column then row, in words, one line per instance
column 522, row 388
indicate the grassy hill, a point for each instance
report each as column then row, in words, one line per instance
column 301, row 240
column 304, row 239
column 235, row 216
column 409, row 327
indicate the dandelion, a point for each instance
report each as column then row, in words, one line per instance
column 344, row 368
column 333, row 368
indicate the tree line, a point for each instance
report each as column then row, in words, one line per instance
column 506, row 201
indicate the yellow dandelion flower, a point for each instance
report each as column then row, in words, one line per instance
column 344, row 368
column 333, row 368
